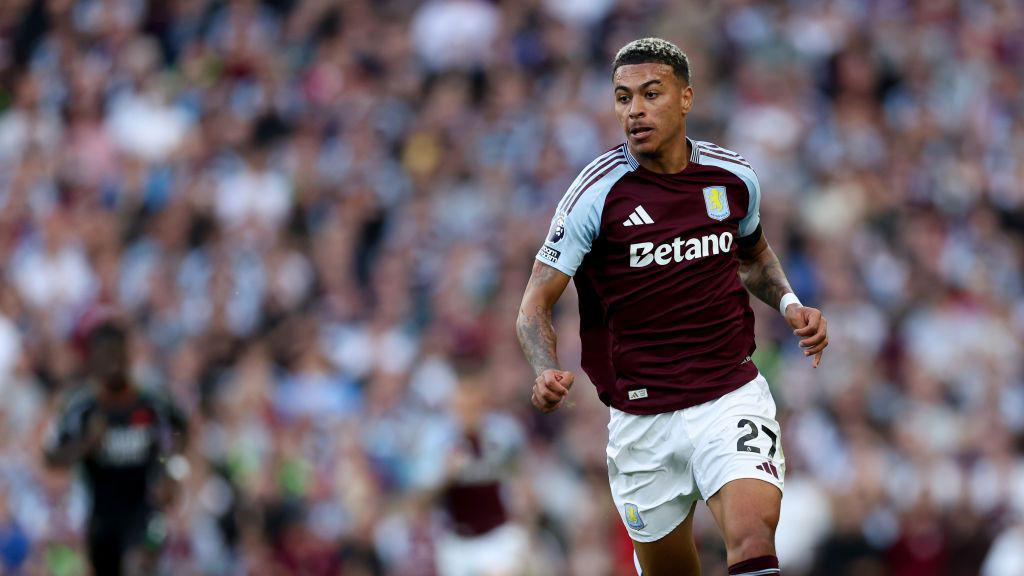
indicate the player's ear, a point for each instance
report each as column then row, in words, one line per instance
column 686, row 99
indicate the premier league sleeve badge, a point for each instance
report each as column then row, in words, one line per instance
column 557, row 229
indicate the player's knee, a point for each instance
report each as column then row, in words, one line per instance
column 752, row 539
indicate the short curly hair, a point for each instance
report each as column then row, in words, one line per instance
column 654, row 50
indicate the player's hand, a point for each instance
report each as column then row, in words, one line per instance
column 550, row 389
column 95, row 429
column 812, row 328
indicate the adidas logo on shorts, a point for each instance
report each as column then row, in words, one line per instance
column 769, row 468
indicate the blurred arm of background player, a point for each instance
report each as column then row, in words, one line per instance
column 78, row 432
column 762, row 274
column 537, row 336
column 173, row 465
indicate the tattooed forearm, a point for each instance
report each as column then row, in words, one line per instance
column 537, row 338
column 761, row 272
column 533, row 326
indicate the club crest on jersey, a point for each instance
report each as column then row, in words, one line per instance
column 557, row 229
column 633, row 519
column 716, row 202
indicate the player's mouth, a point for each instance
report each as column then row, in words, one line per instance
column 640, row 133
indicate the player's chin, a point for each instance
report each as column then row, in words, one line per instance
column 643, row 145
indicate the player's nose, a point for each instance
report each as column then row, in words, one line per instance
column 636, row 108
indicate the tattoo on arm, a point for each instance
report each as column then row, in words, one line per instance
column 534, row 328
column 761, row 272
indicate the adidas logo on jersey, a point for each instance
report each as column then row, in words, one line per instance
column 644, row 253
column 638, row 394
column 639, row 217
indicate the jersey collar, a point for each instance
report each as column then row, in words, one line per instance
column 634, row 163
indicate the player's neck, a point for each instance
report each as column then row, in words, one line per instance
column 672, row 158
column 120, row 394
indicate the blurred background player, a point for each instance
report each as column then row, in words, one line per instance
column 467, row 462
column 123, row 438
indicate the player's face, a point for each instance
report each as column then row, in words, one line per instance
column 108, row 361
column 470, row 402
column 651, row 103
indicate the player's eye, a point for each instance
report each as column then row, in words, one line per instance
column 623, row 98
column 651, row 95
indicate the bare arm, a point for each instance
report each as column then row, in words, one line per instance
column 537, row 336
column 533, row 326
column 761, row 273
column 64, row 455
column 64, row 449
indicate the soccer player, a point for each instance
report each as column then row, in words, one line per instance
column 462, row 462
column 122, row 436
column 661, row 235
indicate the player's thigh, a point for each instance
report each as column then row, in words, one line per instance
column 673, row 555
column 105, row 554
column 747, row 512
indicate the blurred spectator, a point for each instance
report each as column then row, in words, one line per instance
column 14, row 542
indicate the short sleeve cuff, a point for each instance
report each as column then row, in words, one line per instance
column 550, row 256
column 749, row 225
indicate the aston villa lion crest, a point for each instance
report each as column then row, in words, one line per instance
column 716, row 202
column 633, row 519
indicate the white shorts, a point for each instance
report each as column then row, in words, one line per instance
column 659, row 465
column 500, row 551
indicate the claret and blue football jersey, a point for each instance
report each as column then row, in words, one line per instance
column 664, row 319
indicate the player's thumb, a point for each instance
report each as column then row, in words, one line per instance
column 795, row 318
column 565, row 378
column 552, row 380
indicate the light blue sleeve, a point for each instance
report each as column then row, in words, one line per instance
column 569, row 239
column 749, row 222
column 577, row 222
column 430, row 456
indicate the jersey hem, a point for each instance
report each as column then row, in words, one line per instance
column 685, row 401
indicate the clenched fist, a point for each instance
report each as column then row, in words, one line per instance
column 550, row 389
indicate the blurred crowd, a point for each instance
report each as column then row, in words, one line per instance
column 313, row 211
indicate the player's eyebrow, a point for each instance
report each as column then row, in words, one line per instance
column 642, row 86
